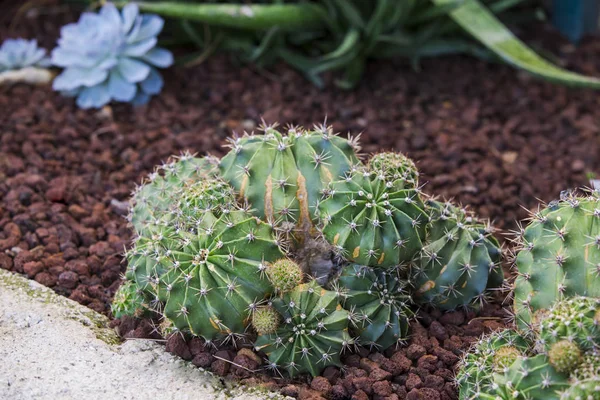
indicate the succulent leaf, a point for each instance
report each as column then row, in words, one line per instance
column 21, row 53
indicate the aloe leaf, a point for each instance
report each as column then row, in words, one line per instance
column 474, row 18
column 288, row 17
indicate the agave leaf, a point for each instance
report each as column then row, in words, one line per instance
column 477, row 20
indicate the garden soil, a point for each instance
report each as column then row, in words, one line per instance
column 484, row 135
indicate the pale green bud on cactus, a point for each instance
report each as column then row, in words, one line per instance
column 459, row 261
column 378, row 302
column 283, row 176
column 198, row 197
column 160, row 190
column 559, row 255
column 312, row 334
column 373, row 221
column 488, row 356
column 395, row 166
column 265, row 320
column 565, row 356
column 284, row 275
column 572, row 319
column 505, row 356
column 127, row 301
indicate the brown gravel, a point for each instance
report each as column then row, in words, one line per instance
column 480, row 133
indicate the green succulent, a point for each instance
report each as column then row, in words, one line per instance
column 312, row 334
column 559, row 255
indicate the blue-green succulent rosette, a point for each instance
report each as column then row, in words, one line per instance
column 111, row 55
column 21, row 53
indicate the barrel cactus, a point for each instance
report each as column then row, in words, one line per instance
column 312, row 334
column 128, row 301
column 378, row 301
column 162, row 189
column 559, row 255
column 459, row 261
column 208, row 281
column 529, row 378
column 282, row 176
column 373, row 220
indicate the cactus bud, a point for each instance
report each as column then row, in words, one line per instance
column 504, row 357
column 284, row 275
column 565, row 356
column 265, row 320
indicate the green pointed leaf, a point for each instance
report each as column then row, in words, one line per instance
column 476, row 19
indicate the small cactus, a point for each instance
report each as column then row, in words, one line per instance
column 283, row 176
column 459, row 261
column 395, row 166
column 378, row 301
column 372, row 220
column 284, row 275
column 529, row 378
column 161, row 190
column 265, row 320
column 559, row 255
column 313, row 332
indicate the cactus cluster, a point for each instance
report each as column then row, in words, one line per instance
column 558, row 255
column 556, row 359
column 292, row 240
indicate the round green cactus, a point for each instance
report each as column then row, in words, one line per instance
column 574, row 319
column 373, row 221
column 459, row 261
column 379, row 303
column 207, row 281
column 559, row 255
column 284, row 275
column 529, row 378
column 313, row 332
column 265, row 320
column 283, row 176
column 160, row 190
column 395, row 166
column 475, row 376
column 587, row 389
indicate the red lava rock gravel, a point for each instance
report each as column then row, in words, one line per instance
column 480, row 133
